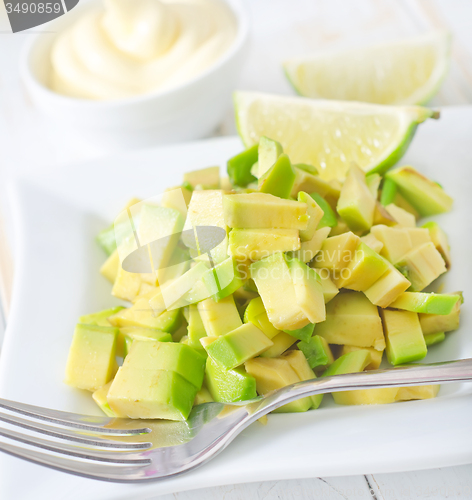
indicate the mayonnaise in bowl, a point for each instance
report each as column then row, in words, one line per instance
column 133, row 47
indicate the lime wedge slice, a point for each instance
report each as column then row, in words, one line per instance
column 330, row 134
column 404, row 72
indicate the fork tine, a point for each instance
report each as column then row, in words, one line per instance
column 105, row 472
column 118, row 457
column 70, row 435
column 86, row 422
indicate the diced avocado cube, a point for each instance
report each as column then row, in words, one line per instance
column 151, row 393
column 337, row 251
column 195, row 328
column 234, row 348
column 127, row 285
column 389, row 190
column 229, row 386
column 387, row 288
column 329, row 218
column 375, row 356
column 106, row 240
column 206, row 178
column 372, row 242
column 306, row 181
column 315, row 212
column 308, row 291
column 396, row 242
column 178, row 197
column 109, row 269
column 169, row 356
column 403, row 218
column 436, row 323
column 255, row 244
column 422, row 266
column 439, row 238
column 304, row 333
column 278, row 179
column 91, row 362
column 417, row 392
column 100, row 397
column 426, row 196
column 276, row 288
column 405, row 340
column 434, row 338
column 317, row 352
column 382, row 217
column 256, row 314
column 262, row 210
column 352, row 319
column 418, row 236
column 220, row 317
column 239, row 167
column 269, row 152
column 373, row 183
column 100, row 318
column 130, row 333
column 309, row 249
column 363, row 271
column 330, row 290
column 275, row 373
column 301, row 367
column 428, row 303
column 223, row 279
column 141, row 314
column 282, row 341
column 356, row 204
column 203, row 396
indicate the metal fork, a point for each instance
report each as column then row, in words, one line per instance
column 124, row 450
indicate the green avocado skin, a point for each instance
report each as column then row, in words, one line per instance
column 314, row 352
column 329, row 218
column 239, row 166
column 229, row 386
column 279, row 179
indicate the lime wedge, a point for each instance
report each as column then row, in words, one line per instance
column 330, row 134
column 404, row 72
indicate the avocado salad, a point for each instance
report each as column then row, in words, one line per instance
column 270, row 276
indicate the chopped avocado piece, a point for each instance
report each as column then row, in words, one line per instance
column 207, row 178
column 279, row 179
column 221, row 317
column 255, row 170
column 140, row 393
column 435, row 323
column 239, row 167
column 389, row 190
column 277, row 290
column 340, row 228
column 307, row 168
column 203, row 396
column 418, row 236
column 404, row 218
column 426, row 196
column 387, row 288
column 308, row 291
column 405, row 340
column 434, row 338
column 301, row 367
column 422, row 266
column 178, row 198
column 127, row 285
column 329, row 288
column 417, row 392
column 269, row 152
column 381, row 216
column 428, row 303
column 224, row 279
column 229, row 386
column 169, row 356
column 373, row 183
column 256, row 314
column 100, row 397
column 396, row 242
column 305, row 181
column 439, row 238
column 337, row 251
column 315, row 212
column 317, row 352
column 130, row 333
column 91, row 362
column 262, row 210
column 255, row 244
column 109, row 269
column 282, row 341
column 304, row 333
column 195, row 328
column 382, row 396
column 363, row 271
column 99, row 318
column 376, row 356
column 356, row 203
column 106, row 240
column 236, row 347
column 309, row 249
column 352, row 319
column 275, row 373
column 329, row 218
column 206, row 209
column 140, row 314
column 372, row 242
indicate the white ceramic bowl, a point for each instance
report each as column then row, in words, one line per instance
column 189, row 111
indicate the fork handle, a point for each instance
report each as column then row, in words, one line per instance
column 436, row 373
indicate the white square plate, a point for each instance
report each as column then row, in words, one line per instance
column 57, row 215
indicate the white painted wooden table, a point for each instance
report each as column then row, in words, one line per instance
column 281, row 28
